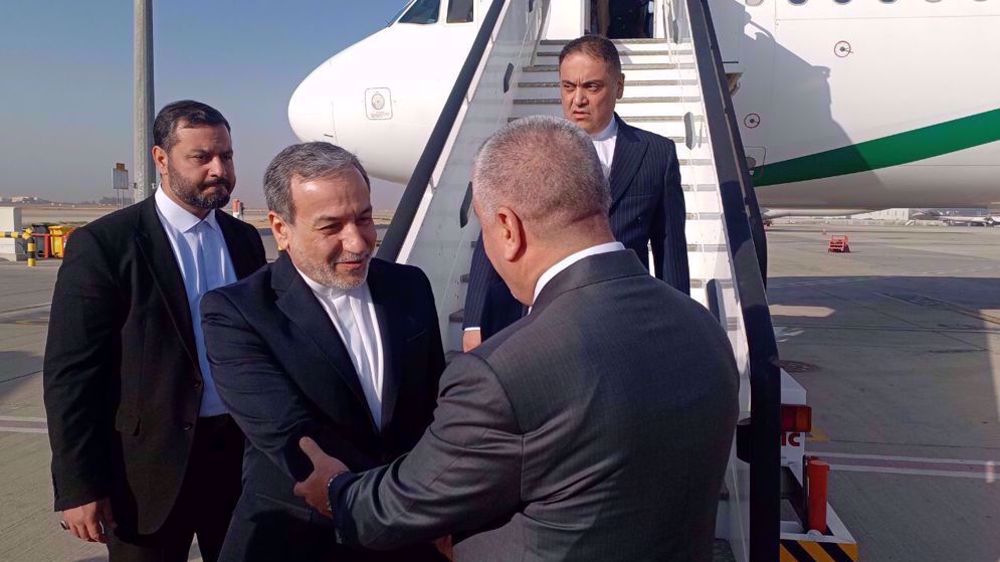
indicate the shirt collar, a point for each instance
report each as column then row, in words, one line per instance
column 609, row 132
column 177, row 216
column 569, row 260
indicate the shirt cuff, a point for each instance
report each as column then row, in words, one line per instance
column 472, row 329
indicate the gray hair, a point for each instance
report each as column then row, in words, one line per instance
column 308, row 161
column 544, row 168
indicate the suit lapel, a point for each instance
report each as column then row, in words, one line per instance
column 629, row 150
column 388, row 327
column 297, row 301
column 240, row 251
column 159, row 256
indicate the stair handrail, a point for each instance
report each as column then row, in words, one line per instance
column 423, row 172
column 739, row 206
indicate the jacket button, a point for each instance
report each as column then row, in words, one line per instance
column 187, row 427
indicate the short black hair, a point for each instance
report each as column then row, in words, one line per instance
column 191, row 113
column 600, row 48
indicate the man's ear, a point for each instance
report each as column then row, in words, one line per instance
column 511, row 233
column 279, row 228
column 621, row 87
column 160, row 160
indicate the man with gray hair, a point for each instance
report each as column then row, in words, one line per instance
column 597, row 427
column 326, row 342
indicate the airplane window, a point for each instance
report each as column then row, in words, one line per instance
column 459, row 11
column 842, row 1
column 422, row 11
column 797, row 2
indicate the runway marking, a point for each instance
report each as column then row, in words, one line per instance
column 23, row 424
column 25, row 419
column 903, row 459
column 985, row 470
column 988, row 476
column 6, row 429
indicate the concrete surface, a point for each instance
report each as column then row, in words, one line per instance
column 901, row 341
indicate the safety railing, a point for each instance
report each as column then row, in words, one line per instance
column 420, row 181
column 758, row 437
column 31, row 242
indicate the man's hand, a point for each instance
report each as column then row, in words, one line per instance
column 92, row 521
column 315, row 489
column 471, row 340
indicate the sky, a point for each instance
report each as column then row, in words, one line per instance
column 66, row 82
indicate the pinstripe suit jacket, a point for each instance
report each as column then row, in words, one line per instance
column 595, row 428
column 647, row 206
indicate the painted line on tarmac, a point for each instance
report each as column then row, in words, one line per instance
column 25, row 419
column 5, row 429
column 985, row 470
column 896, row 458
column 988, row 476
column 23, row 424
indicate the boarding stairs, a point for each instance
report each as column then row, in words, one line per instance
column 660, row 89
column 512, row 72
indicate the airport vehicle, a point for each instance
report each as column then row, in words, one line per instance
column 767, row 99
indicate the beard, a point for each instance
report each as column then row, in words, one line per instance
column 199, row 195
column 326, row 274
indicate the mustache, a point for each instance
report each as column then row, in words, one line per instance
column 219, row 181
column 352, row 257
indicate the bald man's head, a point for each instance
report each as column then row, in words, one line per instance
column 540, row 195
column 544, row 168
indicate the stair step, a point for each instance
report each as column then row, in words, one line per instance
column 625, row 67
column 655, row 119
column 663, row 99
column 633, row 120
column 703, row 216
column 637, row 41
column 458, row 316
column 628, row 83
column 620, row 53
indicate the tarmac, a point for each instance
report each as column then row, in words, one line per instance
column 897, row 344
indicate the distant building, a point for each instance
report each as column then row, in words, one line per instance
column 888, row 215
column 28, row 200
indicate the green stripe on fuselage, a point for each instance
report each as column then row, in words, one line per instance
column 894, row 150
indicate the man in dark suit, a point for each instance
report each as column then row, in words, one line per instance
column 140, row 441
column 325, row 342
column 647, row 203
column 595, row 428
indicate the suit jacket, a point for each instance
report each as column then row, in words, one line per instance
column 122, row 383
column 647, row 207
column 598, row 428
column 283, row 372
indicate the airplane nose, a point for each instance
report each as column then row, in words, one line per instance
column 310, row 112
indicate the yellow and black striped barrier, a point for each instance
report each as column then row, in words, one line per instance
column 26, row 235
column 818, row 550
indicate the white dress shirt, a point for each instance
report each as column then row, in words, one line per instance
column 569, row 260
column 604, row 142
column 352, row 313
column 203, row 259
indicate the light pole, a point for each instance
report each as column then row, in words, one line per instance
column 142, row 103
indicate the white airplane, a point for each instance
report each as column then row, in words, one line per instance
column 958, row 220
column 854, row 105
